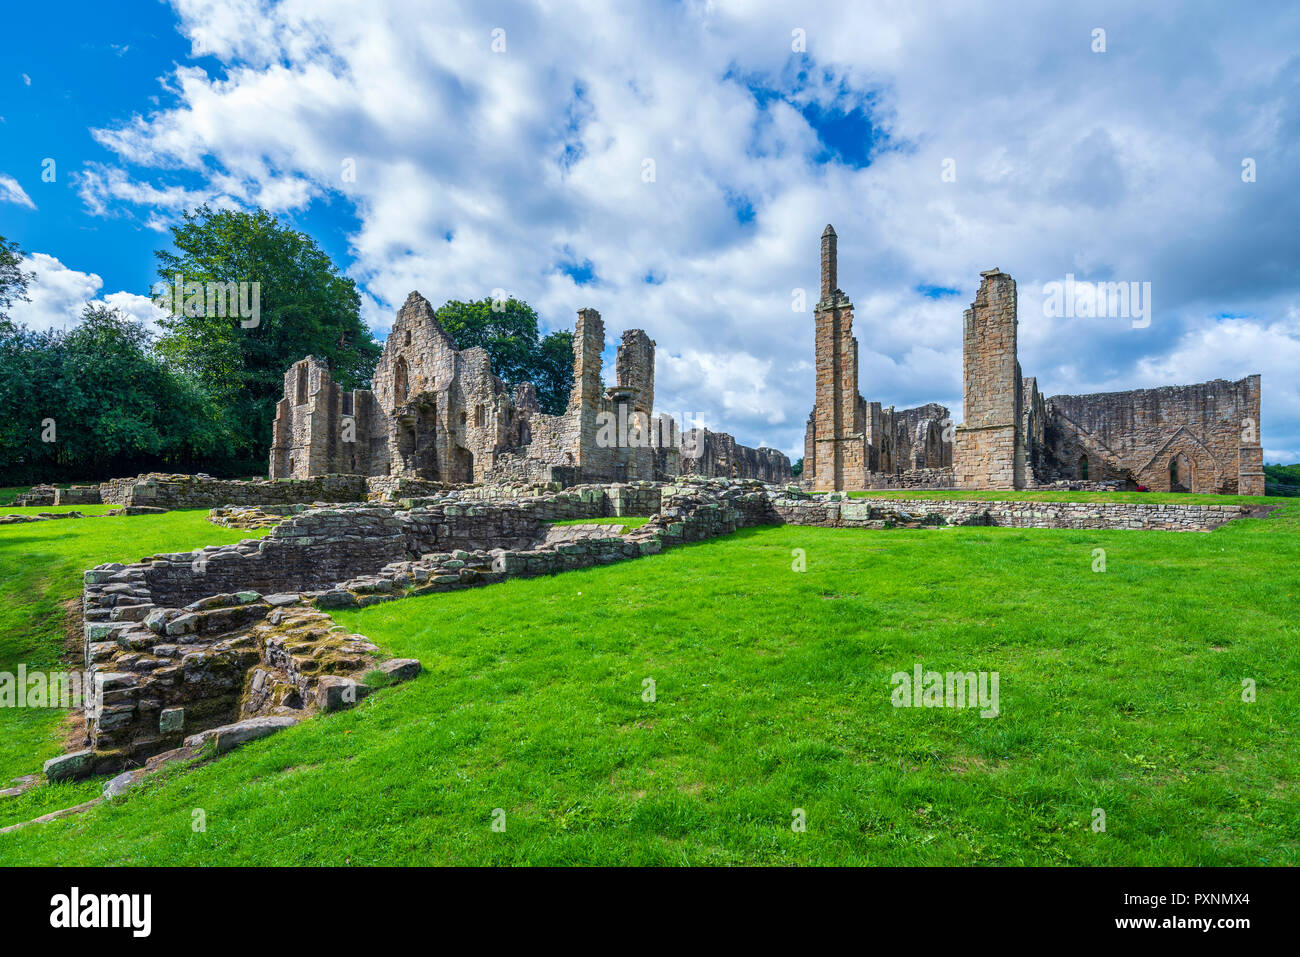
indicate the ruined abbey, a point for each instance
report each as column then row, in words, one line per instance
column 1193, row 438
column 439, row 414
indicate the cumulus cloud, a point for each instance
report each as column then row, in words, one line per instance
column 59, row 294
column 692, row 158
column 12, row 192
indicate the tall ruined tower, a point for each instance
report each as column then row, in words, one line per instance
column 835, row 446
column 1250, row 453
column 635, row 368
column 990, row 442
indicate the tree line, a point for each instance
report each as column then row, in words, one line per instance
column 108, row 397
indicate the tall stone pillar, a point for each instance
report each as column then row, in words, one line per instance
column 990, row 444
column 838, row 437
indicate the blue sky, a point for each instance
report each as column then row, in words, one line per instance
column 524, row 168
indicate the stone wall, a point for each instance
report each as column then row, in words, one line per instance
column 202, row 491
column 880, row 512
column 1209, row 431
column 79, row 495
column 37, row 495
column 719, row 455
column 912, row 478
column 306, row 551
column 439, row 414
column 162, row 675
column 989, row 447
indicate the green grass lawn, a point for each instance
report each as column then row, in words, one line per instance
column 55, row 509
column 40, row 568
column 1119, row 690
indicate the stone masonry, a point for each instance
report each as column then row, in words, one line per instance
column 719, row 455
column 437, row 413
column 850, row 443
column 1193, row 438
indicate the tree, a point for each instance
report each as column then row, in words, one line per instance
column 13, row 281
column 797, row 469
column 303, row 306
column 509, row 333
column 554, row 377
column 95, row 402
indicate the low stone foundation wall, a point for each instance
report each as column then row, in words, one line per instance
column 37, row 496
column 912, row 478
column 78, row 495
column 390, row 488
column 202, row 491
column 1089, row 515
column 162, row 679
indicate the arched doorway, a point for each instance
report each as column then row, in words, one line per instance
column 1083, row 468
column 1182, row 477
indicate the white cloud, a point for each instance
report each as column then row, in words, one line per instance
column 11, row 192
column 59, row 294
column 27, row 80
column 1120, row 165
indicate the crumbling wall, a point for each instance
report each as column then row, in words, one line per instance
column 161, row 490
column 879, row 512
column 1211, row 426
column 719, row 455
column 319, row 428
column 439, row 414
column 78, row 495
column 990, row 446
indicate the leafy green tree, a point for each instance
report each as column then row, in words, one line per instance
column 509, row 333
column 797, row 469
column 554, row 375
column 94, row 402
column 304, row 305
column 13, row 281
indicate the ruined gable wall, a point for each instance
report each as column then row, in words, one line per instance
column 1140, row 424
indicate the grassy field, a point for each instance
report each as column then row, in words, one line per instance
column 40, row 569
column 1119, row 690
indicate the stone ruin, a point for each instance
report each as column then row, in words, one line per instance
column 226, row 643
column 851, row 443
column 1192, row 438
column 438, row 413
